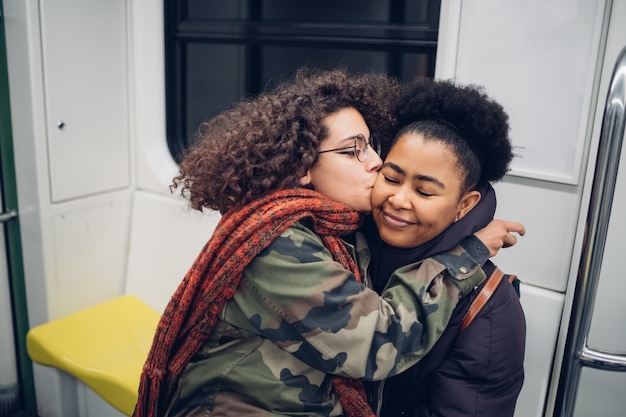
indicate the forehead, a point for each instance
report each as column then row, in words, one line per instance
column 417, row 157
column 345, row 124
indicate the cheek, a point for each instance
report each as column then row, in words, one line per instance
column 319, row 173
column 378, row 192
column 441, row 217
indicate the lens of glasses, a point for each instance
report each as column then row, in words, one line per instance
column 360, row 148
column 362, row 145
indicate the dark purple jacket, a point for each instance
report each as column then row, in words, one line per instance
column 476, row 373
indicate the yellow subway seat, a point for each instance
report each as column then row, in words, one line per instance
column 104, row 346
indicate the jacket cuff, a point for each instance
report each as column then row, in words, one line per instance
column 463, row 271
column 476, row 249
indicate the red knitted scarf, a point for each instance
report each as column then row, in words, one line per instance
column 212, row 280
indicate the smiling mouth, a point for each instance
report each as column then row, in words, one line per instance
column 394, row 221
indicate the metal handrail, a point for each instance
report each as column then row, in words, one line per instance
column 598, row 359
column 5, row 216
column 576, row 353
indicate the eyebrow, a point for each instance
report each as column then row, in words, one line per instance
column 349, row 138
column 345, row 141
column 418, row 177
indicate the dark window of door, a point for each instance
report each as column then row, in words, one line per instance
column 220, row 51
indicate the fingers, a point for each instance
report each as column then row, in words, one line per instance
column 516, row 227
column 508, row 239
column 500, row 234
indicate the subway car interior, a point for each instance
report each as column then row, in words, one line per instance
column 99, row 100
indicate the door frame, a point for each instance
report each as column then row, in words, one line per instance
column 15, row 265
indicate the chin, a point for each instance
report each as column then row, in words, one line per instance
column 364, row 208
column 390, row 238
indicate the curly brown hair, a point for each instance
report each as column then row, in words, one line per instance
column 268, row 142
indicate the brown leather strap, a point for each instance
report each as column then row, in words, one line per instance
column 483, row 296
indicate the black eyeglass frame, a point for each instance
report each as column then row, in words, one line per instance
column 376, row 146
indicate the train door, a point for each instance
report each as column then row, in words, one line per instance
column 550, row 63
column 9, row 389
column 593, row 371
column 16, row 384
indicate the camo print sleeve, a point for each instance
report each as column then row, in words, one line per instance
column 295, row 295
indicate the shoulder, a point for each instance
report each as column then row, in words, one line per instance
column 498, row 334
column 502, row 313
column 294, row 241
column 297, row 248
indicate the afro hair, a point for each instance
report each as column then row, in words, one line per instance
column 481, row 121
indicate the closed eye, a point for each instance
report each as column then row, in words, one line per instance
column 390, row 180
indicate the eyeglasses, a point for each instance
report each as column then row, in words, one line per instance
column 360, row 147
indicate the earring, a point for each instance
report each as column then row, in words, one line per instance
column 457, row 218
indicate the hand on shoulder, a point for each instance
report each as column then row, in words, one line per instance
column 498, row 234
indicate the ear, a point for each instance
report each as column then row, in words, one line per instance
column 468, row 202
column 305, row 180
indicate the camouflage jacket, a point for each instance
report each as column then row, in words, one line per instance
column 298, row 318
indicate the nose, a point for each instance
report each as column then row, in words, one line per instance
column 399, row 199
column 373, row 162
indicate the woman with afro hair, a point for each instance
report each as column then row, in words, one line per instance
column 433, row 192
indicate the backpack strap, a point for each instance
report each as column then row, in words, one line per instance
column 483, row 296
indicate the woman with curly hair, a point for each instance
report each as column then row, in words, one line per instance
column 273, row 317
column 433, row 191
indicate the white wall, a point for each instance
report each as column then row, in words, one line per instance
column 154, row 164
column 75, row 230
column 79, row 186
column 543, row 61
